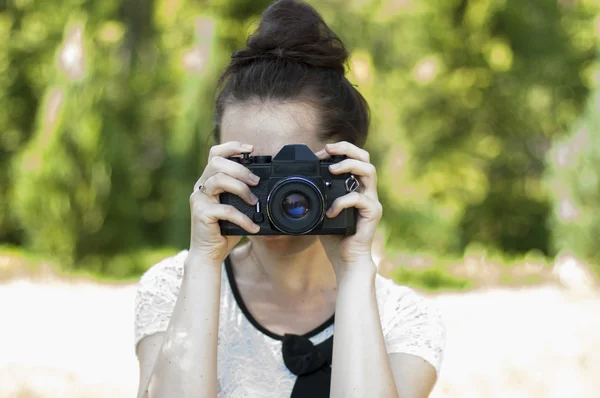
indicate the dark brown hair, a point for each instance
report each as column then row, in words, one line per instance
column 294, row 56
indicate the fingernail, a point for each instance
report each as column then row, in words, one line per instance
column 253, row 198
column 254, row 178
column 248, row 146
column 328, row 212
column 320, row 153
column 255, row 227
column 329, row 146
column 334, row 166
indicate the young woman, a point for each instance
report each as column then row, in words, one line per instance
column 257, row 320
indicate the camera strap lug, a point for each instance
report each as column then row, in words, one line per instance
column 352, row 184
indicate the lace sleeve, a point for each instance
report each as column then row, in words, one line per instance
column 156, row 294
column 411, row 323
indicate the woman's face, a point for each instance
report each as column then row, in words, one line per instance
column 270, row 126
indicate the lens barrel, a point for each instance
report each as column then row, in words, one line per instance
column 295, row 205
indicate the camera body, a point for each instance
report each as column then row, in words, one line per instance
column 295, row 190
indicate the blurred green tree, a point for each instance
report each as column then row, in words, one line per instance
column 120, row 137
column 467, row 96
column 84, row 184
column 219, row 27
column 573, row 177
column 31, row 31
column 106, row 115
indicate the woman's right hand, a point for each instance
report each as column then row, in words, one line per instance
column 220, row 175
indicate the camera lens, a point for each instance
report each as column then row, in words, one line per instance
column 295, row 205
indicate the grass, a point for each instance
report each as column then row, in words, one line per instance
column 15, row 261
column 430, row 279
column 126, row 268
column 479, row 267
column 424, row 271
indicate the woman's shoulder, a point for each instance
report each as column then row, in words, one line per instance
column 156, row 293
column 396, row 296
column 400, row 303
column 411, row 322
column 162, row 281
column 169, row 267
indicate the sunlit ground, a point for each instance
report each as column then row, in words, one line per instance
column 66, row 339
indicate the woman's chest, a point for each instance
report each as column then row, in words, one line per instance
column 250, row 361
column 249, row 366
column 281, row 317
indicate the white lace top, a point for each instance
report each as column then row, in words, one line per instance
column 250, row 363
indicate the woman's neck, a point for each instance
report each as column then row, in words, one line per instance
column 291, row 266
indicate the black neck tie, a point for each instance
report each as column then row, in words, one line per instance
column 311, row 363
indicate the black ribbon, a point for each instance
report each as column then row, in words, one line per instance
column 311, row 363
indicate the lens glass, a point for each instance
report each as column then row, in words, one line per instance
column 295, row 205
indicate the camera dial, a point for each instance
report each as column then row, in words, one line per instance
column 246, row 158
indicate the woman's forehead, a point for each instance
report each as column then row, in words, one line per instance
column 269, row 126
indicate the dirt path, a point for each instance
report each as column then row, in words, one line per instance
column 65, row 340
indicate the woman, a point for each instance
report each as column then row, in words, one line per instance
column 257, row 320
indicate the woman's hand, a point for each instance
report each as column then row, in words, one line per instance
column 352, row 253
column 220, row 175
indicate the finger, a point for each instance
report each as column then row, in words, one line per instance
column 219, row 164
column 229, row 149
column 322, row 154
column 348, row 149
column 221, row 182
column 365, row 171
column 367, row 207
column 229, row 213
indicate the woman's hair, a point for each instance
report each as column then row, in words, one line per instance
column 294, row 56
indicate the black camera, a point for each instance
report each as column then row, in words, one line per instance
column 295, row 190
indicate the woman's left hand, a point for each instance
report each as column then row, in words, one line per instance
column 352, row 253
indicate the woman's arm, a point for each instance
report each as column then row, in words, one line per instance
column 360, row 365
column 186, row 365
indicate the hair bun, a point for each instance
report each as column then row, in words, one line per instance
column 294, row 30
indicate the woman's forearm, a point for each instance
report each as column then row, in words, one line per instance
column 187, row 363
column 360, row 365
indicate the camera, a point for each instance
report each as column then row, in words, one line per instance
column 295, row 190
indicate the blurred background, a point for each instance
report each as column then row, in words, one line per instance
column 485, row 132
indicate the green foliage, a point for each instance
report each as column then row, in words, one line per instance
column 84, row 183
column 120, row 137
column 99, row 152
column 574, row 179
column 31, row 32
column 467, row 97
